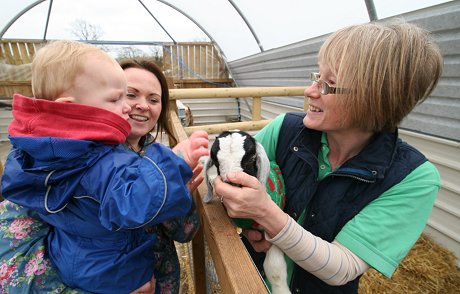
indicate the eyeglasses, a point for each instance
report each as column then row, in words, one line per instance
column 324, row 87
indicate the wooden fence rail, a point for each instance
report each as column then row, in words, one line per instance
column 234, row 266
column 255, row 93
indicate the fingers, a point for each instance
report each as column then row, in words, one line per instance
column 193, row 148
column 249, row 200
column 200, row 152
column 148, row 287
column 257, row 240
column 253, row 235
column 199, row 134
column 198, row 145
column 243, row 179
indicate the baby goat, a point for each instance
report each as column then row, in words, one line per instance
column 238, row 151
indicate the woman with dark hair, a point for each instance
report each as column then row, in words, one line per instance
column 148, row 96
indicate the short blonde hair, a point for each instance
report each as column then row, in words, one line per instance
column 388, row 69
column 57, row 64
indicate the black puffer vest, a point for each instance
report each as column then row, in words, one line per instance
column 332, row 202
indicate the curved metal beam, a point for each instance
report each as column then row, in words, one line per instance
column 21, row 13
column 196, row 23
column 247, row 23
column 153, row 16
column 47, row 20
column 371, row 10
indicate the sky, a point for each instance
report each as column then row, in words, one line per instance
column 276, row 23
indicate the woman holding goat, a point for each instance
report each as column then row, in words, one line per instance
column 357, row 196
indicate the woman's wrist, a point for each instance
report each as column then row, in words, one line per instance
column 273, row 219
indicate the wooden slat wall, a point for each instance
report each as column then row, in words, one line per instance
column 18, row 51
column 194, row 61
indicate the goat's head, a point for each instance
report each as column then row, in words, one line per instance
column 236, row 151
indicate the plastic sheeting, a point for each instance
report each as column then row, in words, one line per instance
column 234, row 25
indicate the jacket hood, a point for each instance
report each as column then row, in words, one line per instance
column 42, row 118
column 53, row 145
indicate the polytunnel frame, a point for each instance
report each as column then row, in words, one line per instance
column 369, row 5
column 32, row 5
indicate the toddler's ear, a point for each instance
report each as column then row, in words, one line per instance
column 66, row 99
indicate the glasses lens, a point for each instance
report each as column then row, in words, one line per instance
column 324, row 87
column 314, row 77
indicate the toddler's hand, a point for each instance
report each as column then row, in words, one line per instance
column 193, row 148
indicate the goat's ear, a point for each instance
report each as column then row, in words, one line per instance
column 263, row 164
column 210, row 173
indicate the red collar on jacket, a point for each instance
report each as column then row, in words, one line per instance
column 43, row 118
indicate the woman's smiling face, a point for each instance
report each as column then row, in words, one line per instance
column 324, row 113
column 144, row 97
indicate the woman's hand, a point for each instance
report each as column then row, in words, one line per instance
column 257, row 240
column 250, row 201
column 147, row 288
column 193, row 148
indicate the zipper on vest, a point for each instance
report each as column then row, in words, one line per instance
column 351, row 176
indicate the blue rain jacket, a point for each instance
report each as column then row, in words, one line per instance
column 98, row 197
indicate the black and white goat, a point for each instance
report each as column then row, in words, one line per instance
column 238, row 151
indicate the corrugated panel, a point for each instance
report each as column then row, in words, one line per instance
column 433, row 127
column 438, row 116
column 270, row 109
column 212, row 111
column 444, row 222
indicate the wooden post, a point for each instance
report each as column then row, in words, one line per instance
column 256, row 108
column 305, row 104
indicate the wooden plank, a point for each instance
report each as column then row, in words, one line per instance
column 234, row 266
column 199, row 256
column 209, row 83
column 31, row 47
column 167, row 65
column 194, row 62
column 2, row 51
column 209, row 62
column 256, row 108
column 202, row 61
column 235, row 92
column 219, row 128
column 215, row 62
column 174, row 61
column 24, row 54
column 16, row 54
column 8, row 54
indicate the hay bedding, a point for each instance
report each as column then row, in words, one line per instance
column 428, row 268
